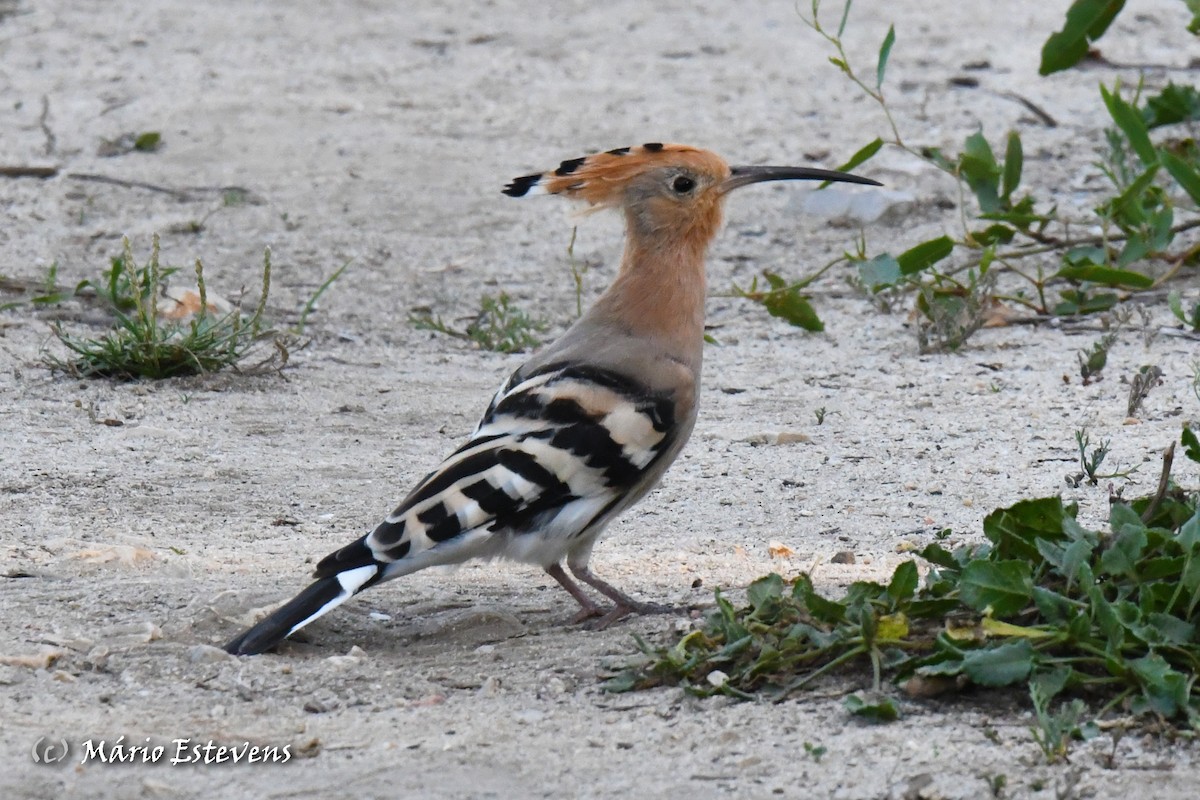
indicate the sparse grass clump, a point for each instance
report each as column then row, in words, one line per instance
column 498, row 325
column 1107, row 617
column 145, row 344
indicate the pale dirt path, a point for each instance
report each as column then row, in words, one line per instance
column 384, row 135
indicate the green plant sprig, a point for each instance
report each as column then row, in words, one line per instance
column 498, row 325
column 1137, row 223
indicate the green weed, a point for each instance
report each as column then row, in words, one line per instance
column 1154, row 198
column 145, row 345
column 1047, row 604
column 499, row 325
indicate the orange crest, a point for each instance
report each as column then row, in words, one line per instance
column 600, row 179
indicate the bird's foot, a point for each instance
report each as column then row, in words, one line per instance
column 622, row 610
column 586, row 614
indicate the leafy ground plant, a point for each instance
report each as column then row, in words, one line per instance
column 145, row 344
column 1107, row 617
column 1153, row 200
column 499, row 325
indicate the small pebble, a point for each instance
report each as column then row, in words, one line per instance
column 207, row 654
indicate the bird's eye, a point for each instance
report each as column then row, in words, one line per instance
column 683, row 184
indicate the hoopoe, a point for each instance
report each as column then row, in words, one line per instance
column 589, row 424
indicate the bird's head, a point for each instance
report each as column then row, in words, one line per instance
column 667, row 191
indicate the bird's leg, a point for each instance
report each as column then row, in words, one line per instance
column 625, row 605
column 588, row 608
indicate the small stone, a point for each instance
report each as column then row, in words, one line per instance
column 43, row 659
column 207, row 654
column 529, row 716
column 123, row 554
column 779, row 550
column 315, row 706
column 717, row 678
column 343, row 662
column 844, row 557
column 132, row 634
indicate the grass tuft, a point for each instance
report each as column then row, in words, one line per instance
column 498, row 325
column 144, row 344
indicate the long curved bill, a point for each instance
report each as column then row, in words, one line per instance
column 744, row 176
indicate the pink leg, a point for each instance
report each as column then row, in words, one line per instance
column 588, row 608
column 625, row 605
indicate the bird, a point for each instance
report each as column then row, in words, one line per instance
column 589, row 424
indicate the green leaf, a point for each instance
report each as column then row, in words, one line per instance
column 1015, row 530
column 827, row 611
column 863, row 154
column 1014, row 160
column 937, row 555
column 845, row 17
column 1004, row 587
column 1172, row 629
column 147, row 142
column 1082, row 303
column 1126, row 207
column 1085, row 256
column 881, row 272
column 1053, row 606
column 1183, row 173
column 977, row 164
column 1050, row 682
column 1165, row 690
column 1194, row 7
column 1087, row 20
column 1136, row 248
column 1161, row 235
column 1121, row 516
column 885, row 50
column 1173, row 104
column 1002, row 665
column 793, row 307
column 994, row 234
column 1106, row 276
column 924, row 255
column 1189, row 532
column 904, row 581
column 882, row 710
column 1103, row 615
column 1122, row 554
column 1131, row 123
column 766, row 588
column 1191, row 445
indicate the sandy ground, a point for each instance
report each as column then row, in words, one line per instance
column 383, row 135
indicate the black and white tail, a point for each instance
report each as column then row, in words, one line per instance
column 321, row 597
